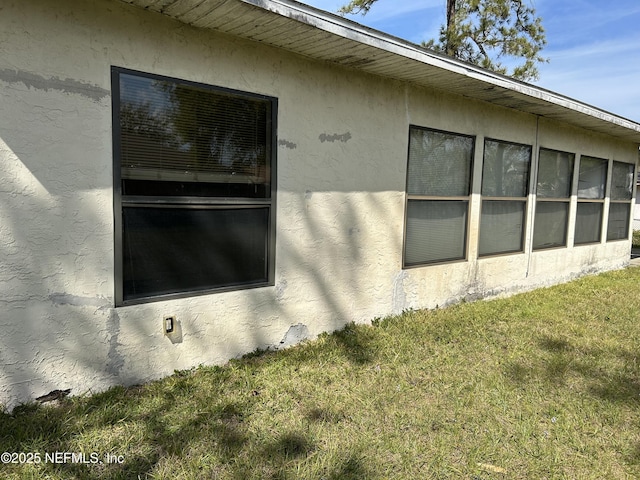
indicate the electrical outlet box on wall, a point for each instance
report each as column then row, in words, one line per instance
column 169, row 324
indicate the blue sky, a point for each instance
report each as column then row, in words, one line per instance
column 593, row 46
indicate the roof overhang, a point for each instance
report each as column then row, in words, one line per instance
column 324, row 36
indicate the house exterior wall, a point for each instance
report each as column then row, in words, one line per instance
column 342, row 160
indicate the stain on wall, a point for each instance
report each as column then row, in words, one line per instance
column 399, row 295
column 286, row 143
column 67, row 85
column 335, row 137
column 78, row 301
column 295, row 334
column 115, row 360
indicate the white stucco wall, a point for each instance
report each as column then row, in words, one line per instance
column 340, row 200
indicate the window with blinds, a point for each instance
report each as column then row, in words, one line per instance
column 438, row 190
column 622, row 177
column 592, row 180
column 553, row 195
column 505, row 184
column 194, row 167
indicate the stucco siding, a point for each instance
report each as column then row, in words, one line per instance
column 341, row 173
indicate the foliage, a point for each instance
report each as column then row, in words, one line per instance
column 357, row 6
column 485, row 33
column 544, row 384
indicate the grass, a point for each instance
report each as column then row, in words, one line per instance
column 544, row 384
column 636, row 239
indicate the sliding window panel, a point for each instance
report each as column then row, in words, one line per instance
column 588, row 222
column 555, row 170
column 178, row 138
column 618, row 226
column 436, row 231
column 622, row 181
column 550, row 226
column 505, row 172
column 592, row 178
column 175, row 250
column 501, row 226
column 439, row 163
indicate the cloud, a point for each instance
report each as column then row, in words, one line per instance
column 579, row 17
column 604, row 75
column 382, row 11
column 593, row 47
column 625, row 47
column 412, row 20
column 385, row 10
column 594, row 53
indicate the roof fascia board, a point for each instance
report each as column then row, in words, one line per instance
column 354, row 31
column 345, row 28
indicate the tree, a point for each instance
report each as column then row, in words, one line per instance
column 485, row 33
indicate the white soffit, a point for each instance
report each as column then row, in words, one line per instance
column 321, row 35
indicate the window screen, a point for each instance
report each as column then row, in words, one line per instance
column 172, row 250
column 194, row 167
column 553, row 193
column 555, row 171
column 618, row 226
column 436, row 230
column 180, row 139
column 550, row 225
column 505, row 180
column 592, row 181
column 588, row 222
column 439, row 163
column 505, row 171
column 622, row 177
column 593, row 178
column 438, row 189
column 622, row 181
column 502, row 226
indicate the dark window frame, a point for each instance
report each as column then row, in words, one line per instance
column 585, row 201
column 566, row 200
column 121, row 201
column 628, row 202
column 438, row 198
column 524, row 200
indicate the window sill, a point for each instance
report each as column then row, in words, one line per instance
column 435, row 263
column 191, row 294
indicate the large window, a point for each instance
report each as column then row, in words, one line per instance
column 505, row 180
column 194, row 172
column 591, row 190
column 622, row 176
column 553, row 193
column 438, row 189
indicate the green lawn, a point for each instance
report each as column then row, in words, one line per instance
column 544, row 384
column 636, row 239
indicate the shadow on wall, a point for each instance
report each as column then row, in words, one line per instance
column 56, row 270
column 61, row 330
column 51, row 233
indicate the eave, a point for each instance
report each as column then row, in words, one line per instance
column 324, row 36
